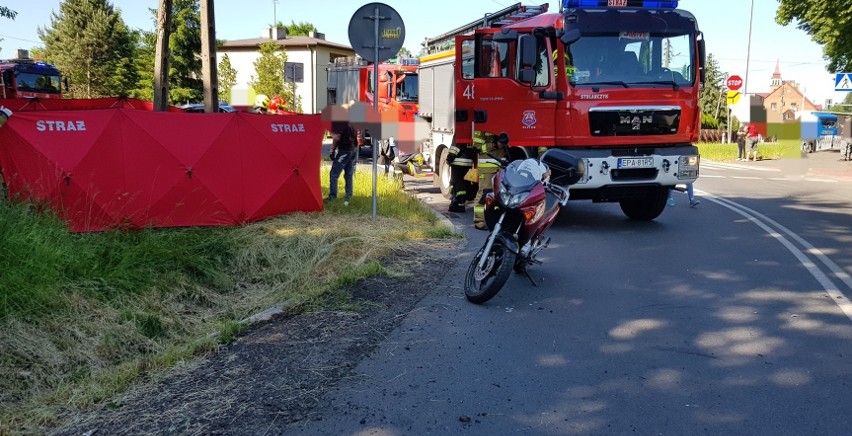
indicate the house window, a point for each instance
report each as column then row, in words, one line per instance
column 793, row 106
column 774, row 107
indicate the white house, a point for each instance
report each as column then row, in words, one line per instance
column 309, row 55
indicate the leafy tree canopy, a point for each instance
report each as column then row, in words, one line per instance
column 7, row 13
column 713, row 100
column 227, row 78
column 89, row 42
column 299, row 29
column 829, row 24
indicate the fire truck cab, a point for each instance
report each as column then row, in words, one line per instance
column 25, row 78
column 614, row 82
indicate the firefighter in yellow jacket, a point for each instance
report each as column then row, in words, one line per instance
column 487, row 167
column 461, row 159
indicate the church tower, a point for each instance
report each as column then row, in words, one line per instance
column 776, row 77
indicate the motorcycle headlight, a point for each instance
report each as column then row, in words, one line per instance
column 511, row 201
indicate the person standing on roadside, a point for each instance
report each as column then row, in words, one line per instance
column 741, row 140
column 752, row 137
column 343, row 156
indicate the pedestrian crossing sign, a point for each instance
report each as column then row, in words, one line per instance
column 843, row 82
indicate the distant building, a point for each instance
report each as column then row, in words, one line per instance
column 308, row 55
column 784, row 100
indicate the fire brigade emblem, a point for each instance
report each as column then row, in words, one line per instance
column 529, row 119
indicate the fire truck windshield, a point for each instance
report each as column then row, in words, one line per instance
column 408, row 89
column 41, row 83
column 631, row 59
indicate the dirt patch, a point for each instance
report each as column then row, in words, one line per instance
column 277, row 371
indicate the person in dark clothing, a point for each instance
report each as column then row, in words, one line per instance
column 344, row 151
column 460, row 157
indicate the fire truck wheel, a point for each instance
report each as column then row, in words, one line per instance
column 647, row 208
column 444, row 176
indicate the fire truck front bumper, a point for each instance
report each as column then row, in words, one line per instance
column 664, row 166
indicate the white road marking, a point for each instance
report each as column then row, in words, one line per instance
column 764, row 222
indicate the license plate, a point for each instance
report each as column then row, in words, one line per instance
column 636, row 162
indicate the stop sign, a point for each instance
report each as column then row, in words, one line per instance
column 734, row 82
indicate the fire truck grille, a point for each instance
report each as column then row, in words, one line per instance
column 615, row 122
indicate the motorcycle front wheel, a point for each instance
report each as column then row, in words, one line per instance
column 482, row 284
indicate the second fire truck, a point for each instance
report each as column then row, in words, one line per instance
column 615, row 82
column 24, row 77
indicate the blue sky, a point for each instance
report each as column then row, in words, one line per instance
column 725, row 24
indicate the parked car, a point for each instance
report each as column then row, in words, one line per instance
column 199, row 107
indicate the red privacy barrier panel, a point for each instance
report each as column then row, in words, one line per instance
column 125, row 168
column 61, row 104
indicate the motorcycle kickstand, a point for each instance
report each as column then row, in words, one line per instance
column 528, row 276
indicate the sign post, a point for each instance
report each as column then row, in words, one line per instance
column 376, row 33
column 734, row 83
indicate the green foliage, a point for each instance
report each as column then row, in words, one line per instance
column 270, row 70
column 185, row 83
column 143, row 63
column 89, row 42
column 84, row 315
column 713, row 100
column 227, row 78
column 845, row 107
column 708, row 122
column 829, row 24
column 7, row 13
column 299, row 29
column 404, row 53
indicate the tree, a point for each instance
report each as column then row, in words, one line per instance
column 270, row 70
column 185, row 83
column 827, row 22
column 7, row 13
column 713, row 101
column 89, row 42
column 404, row 53
column 845, row 106
column 227, row 78
column 300, row 29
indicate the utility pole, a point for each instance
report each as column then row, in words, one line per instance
column 748, row 52
column 209, row 74
column 274, row 14
column 161, row 58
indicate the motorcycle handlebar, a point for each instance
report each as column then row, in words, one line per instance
column 563, row 193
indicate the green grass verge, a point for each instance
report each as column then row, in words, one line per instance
column 783, row 149
column 82, row 316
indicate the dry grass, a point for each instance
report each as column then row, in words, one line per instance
column 93, row 349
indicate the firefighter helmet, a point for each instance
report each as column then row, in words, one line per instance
column 261, row 101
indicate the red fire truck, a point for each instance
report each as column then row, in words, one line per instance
column 24, row 77
column 352, row 79
column 616, row 82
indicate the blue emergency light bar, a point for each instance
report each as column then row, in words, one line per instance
column 664, row 4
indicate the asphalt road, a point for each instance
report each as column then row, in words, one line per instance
column 729, row 318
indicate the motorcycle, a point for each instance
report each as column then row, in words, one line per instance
column 528, row 195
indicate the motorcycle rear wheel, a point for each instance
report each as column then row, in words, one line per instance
column 482, row 284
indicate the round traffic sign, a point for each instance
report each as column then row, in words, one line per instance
column 734, row 82
column 363, row 36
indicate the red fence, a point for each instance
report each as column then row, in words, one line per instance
column 129, row 168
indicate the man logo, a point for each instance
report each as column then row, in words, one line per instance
column 635, row 121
